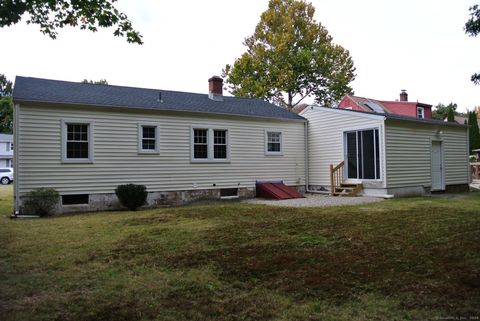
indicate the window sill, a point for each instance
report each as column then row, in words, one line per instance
column 145, row 152
column 360, row 181
column 274, row 154
column 207, row 161
column 77, row 161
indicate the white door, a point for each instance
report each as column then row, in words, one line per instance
column 437, row 166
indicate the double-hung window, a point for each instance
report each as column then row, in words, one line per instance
column 77, row 142
column 148, row 139
column 220, row 144
column 200, row 143
column 210, row 144
column 420, row 112
column 273, row 142
column 362, row 154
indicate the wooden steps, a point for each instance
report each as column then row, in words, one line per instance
column 347, row 190
column 338, row 187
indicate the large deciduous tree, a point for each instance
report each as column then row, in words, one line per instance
column 441, row 110
column 51, row 15
column 6, row 105
column 289, row 57
column 472, row 28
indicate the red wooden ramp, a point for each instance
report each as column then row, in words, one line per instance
column 276, row 190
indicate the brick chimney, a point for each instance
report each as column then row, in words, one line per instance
column 215, row 88
column 403, row 95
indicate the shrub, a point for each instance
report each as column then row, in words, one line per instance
column 40, row 201
column 131, row 196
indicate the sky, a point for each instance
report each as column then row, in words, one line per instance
column 417, row 45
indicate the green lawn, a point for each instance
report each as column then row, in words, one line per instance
column 405, row 259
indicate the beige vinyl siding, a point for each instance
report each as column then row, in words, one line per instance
column 326, row 139
column 408, row 149
column 117, row 161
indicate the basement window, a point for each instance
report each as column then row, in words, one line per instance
column 78, row 199
column 229, row 193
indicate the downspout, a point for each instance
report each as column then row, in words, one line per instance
column 469, row 168
column 16, row 183
column 306, row 155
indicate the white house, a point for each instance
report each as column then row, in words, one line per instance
column 84, row 140
column 387, row 154
column 6, row 150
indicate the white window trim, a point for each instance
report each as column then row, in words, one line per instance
column 345, row 156
column 90, row 158
column 210, row 144
column 422, row 112
column 140, row 137
column 268, row 153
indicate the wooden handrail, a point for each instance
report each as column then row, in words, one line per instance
column 336, row 177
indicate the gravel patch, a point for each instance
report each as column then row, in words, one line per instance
column 316, row 200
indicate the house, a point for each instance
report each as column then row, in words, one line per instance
column 401, row 107
column 463, row 118
column 84, row 140
column 6, row 150
column 388, row 154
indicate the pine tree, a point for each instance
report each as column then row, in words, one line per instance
column 473, row 131
column 451, row 115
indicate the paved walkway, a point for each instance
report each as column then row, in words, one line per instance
column 316, row 200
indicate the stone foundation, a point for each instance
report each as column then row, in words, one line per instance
column 110, row 202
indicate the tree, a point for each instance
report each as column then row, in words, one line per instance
column 97, row 82
column 290, row 57
column 51, row 15
column 472, row 28
column 6, row 115
column 473, row 131
column 451, row 115
column 6, row 105
column 5, row 86
column 441, row 111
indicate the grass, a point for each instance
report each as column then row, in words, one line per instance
column 405, row 259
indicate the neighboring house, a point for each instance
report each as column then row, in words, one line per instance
column 388, row 154
column 462, row 119
column 6, row 150
column 401, row 107
column 84, row 140
column 298, row 108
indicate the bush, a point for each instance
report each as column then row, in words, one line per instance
column 40, row 201
column 131, row 196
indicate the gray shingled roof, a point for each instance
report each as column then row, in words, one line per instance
column 29, row 89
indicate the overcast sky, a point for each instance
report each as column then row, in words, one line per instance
column 411, row 44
